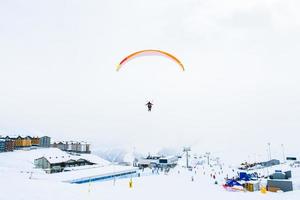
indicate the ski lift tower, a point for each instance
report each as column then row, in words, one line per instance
column 186, row 150
column 207, row 155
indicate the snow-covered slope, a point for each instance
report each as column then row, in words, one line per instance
column 176, row 185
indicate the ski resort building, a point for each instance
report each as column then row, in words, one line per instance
column 35, row 141
column 59, row 163
column 72, row 146
column 2, row 145
column 21, row 142
column 270, row 163
column 158, row 161
column 45, row 141
column 169, row 161
column 6, row 145
column 149, row 161
column 9, row 145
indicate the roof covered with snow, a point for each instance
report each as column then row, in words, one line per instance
column 24, row 159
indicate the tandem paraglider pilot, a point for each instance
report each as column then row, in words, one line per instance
column 149, row 105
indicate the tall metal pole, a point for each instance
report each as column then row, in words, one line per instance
column 186, row 150
column 283, row 154
column 270, row 157
column 187, row 159
column 267, row 166
column 207, row 155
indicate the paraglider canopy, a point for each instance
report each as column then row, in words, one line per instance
column 149, row 52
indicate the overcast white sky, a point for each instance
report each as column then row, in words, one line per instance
column 241, row 84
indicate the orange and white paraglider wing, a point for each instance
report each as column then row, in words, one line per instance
column 149, row 52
